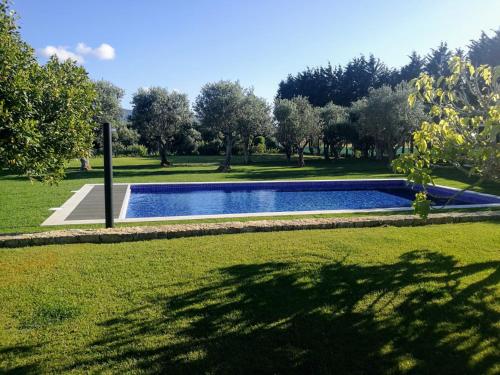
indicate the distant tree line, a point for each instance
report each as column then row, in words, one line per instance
column 343, row 85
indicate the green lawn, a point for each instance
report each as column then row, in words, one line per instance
column 24, row 206
column 353, row 301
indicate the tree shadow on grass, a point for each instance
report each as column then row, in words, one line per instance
column 426, row 313
column 13, row 354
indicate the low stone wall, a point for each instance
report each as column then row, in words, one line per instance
column 141, row 233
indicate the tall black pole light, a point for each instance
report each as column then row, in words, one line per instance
column 108, row 175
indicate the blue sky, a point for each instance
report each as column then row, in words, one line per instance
column 184, row 44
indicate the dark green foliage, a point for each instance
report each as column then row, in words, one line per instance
column 338, row 85
column 413, row 68
column 485, row 50
column 187, row 141
column 436, row 63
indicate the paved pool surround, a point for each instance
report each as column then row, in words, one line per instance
column 86, row 206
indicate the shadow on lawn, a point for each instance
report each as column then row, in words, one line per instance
column 423, row 314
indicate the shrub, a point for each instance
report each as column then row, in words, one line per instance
column 259, row 145
column 210, row 148
column 133, row 150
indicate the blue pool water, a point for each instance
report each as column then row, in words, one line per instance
column 213, row 199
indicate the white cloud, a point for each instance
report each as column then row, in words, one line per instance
column 83, row 49
column 62, row 53
column 103, row 52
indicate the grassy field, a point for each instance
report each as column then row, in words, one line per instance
column 24, row 206
column 353, row 301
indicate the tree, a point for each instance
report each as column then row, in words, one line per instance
column 319, row 85
column 285, row 116
column 341, row 86
column 464, row 130
column 158, row 116
column 218, row 108
column 413, row 68
column 108, row 108
column 187, row 140
column 45, row 111
column 437, row 61
column 485, row 50
column 298, row 122
column 254, row 119
column 334, row 120
column 389, row 119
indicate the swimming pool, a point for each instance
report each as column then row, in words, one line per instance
column 186, row 200
column 192, row 200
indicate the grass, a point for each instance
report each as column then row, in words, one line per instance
column 24, row 206
column 352, row 301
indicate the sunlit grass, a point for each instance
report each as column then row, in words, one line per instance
column 371, row 300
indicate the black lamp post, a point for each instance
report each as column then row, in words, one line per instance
column 108, row 175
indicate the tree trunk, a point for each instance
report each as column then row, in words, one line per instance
column 391, row 153
column 335, row 153
column 288, row 152
column 379, row 152
column 412, row 148
column 311, row 147
column 366, row 152
column 226, row 166
column 300, row 151
column 164, row 154
column 246, row 151
column 319, row 147
column 326, row 151
column 85, row 164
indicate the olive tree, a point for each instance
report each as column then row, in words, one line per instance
column 464, row 126
column 298, row 122
column 386, row 116
column 218, row 107
column 254, row 119
column 158, row 116
column 335, row 124
column 108, row 109
column 46, row 112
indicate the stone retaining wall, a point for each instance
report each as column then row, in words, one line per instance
column 141, row 233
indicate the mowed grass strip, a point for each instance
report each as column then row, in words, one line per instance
column 350, row 301
column 24, row 205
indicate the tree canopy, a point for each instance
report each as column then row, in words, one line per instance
column 218, row 107
column 485, row 50
column 46, row 112
column 254, row 119
column 464, row 125
column 158, row 116
column 298, row 122
column 386, row 117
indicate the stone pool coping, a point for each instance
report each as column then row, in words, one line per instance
column 141, row 233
